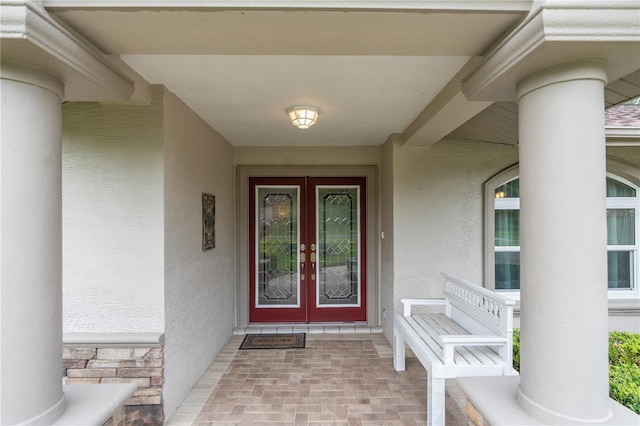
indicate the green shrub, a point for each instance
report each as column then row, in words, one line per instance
column 516, row 349
column 624, row 385
column 624, row 369
column 624, row 348
column 624, row 366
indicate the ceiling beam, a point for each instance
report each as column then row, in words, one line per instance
column 445, row 113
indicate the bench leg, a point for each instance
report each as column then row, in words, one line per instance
column 398, row 351
column 435, row 401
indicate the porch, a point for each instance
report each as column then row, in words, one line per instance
column 107, row 153
column 339, row 378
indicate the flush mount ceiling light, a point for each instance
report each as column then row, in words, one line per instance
column 303, row 116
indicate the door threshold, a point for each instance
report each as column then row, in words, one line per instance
column 315, row 328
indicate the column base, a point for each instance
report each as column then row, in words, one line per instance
column 493, row 401
column 548, row 416
column 51, row 415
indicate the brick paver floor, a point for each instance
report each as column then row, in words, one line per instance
column 335, row 380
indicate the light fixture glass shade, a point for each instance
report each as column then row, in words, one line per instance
column 303, row 116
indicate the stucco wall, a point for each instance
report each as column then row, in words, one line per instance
column 437, row 215
column 112, row 197
column 199, row 286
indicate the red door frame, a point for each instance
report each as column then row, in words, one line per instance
column 274, row 314
column 339, row 314
column 307, row 310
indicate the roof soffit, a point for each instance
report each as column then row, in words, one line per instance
column 555, row 33
column 499, row 122
column 31, row 37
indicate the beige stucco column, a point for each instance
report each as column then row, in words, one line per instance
column 31, row 246
column 564, row 374
column 38, row 55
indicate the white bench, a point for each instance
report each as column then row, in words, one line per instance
column 472, row 337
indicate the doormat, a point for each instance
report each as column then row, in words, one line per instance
column 273, row 341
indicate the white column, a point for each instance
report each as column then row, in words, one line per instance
column 564, row 376
column 30, row 247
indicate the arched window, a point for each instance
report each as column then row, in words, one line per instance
column 622, row 234
column 502, row 230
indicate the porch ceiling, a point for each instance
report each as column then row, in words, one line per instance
column 373, row 68
column 370, row 67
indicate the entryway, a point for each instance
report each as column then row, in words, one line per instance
column 249, row 268
column 307, row 249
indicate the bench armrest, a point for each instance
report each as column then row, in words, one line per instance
column 450, row 341
column 423, row 302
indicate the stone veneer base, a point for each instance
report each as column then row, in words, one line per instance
column 111, row 359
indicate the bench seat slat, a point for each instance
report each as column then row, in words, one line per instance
column 472, row 355
column 432, row 360
column 434, row 330
column 423, row 333
column 485, row 350
column 455, row 328
column 426, row 356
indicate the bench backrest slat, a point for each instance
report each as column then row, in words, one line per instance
column 480, row 311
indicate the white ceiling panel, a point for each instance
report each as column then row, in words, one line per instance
column 361, row 99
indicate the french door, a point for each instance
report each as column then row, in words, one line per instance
column 307, row 249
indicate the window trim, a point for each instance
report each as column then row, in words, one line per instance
column 497, row 180
column 616, row 169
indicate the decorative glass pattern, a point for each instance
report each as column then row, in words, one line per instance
column 277, row 245
column 338, row 281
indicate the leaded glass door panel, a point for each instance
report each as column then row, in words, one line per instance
column 338, row 288
column 277, row 232
column 307, row 249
